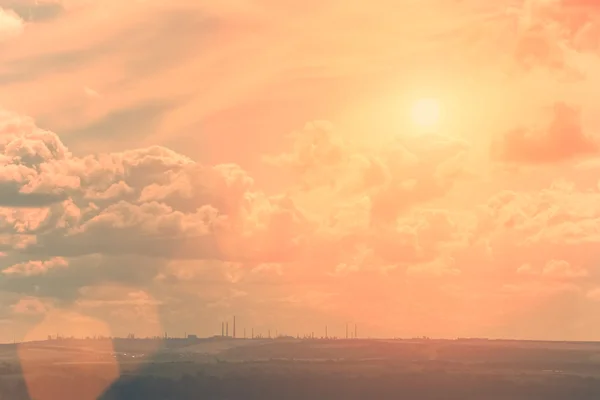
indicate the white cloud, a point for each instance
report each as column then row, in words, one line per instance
column 11, row 25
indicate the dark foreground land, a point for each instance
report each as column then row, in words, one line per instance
column 295, row 369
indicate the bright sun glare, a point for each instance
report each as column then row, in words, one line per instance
column 426, row 112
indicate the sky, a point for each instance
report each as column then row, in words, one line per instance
column 417, row 168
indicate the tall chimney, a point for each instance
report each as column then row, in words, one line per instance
column 227, row 328
column 222, row 329
column 234, row 326
column 355, row 332
column 346, row 330
column 326, row 332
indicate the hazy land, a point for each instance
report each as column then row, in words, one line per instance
column 222, row 368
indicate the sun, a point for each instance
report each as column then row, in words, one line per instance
column 426, row 112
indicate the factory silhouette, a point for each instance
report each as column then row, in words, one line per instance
column 351, row 333
column 225, row 333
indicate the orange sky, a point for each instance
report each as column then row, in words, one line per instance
column 415, row 167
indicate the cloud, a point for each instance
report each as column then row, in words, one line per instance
column 30, row 306
column 395, row 176
column 526, row 269
column 436, row 268
column 156, row 218
column 11, row 25
column 91, row 92
column 559, row 220
column 32, row 268
column 561, row 138
column 156, row 185
column 554, row 269
column 149, row 201
column 34, row 11
column 29, row 157
column 551, row 217
column 563, row 269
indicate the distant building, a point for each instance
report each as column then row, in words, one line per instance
column 192, row 337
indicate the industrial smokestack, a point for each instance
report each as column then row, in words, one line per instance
column 222, row 329
column 355, row 332
column 227, row 329
column 234, row 326
column 326, row 332
column 346, row 330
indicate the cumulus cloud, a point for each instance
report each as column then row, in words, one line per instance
column 211, row 223
column 30, row 157
column 31, row 268
column 559, row 214
column 149, row 201
column 164, row 201
column 561, row 138
column 394, row 177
